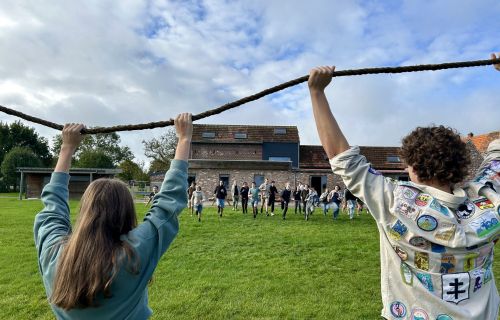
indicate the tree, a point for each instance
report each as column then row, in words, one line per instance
column 132, row 171
column 18, row 135
column 18, row 157
column 94, row 159
column 106, row 143
column 161, row 150
column 157, row 166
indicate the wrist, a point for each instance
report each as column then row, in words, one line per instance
column 184, row 140
column 316, row 91
column 65, row 148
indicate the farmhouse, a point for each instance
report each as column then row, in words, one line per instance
column 252, row 153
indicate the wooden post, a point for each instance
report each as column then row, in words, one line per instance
column 21, row 186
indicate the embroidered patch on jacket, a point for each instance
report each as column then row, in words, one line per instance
column 400, row 228
column 419, row 314
column 444, row 317
column 406, row 274
column 477, row 279
column 485, row 224
column 422, row 260
column 407, row 210
column 470, row 261
column 440, row 208
column 423, row 199
column 420, row 242
column 448, row 263
column 409, row 193
column 373, row 171
column 455, row 287
column 426, row 280
column 484, row 204
column 398, row 309
column 427, row 222
column 401, row 253
column 465, row 210
column 446, row 231
column 437, row 248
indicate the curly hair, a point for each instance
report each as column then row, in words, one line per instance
column 436, row 152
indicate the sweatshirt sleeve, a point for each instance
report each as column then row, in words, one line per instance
column 489, row 171
column 160, row 226
column 52, row 223
column 376, row 191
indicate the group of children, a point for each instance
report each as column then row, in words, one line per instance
column 306, row 199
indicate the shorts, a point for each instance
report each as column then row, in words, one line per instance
column 255, row 203
column 220, row 203
column 199, row 207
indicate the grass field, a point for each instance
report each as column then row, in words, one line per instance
column 230, row 268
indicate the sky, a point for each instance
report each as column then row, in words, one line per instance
column 107, row 62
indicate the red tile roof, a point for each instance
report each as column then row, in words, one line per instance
column 482, row 141
column 314, row 157
column 255, row 134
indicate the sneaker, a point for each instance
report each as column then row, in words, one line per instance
column 272, row 213
column 199, row 220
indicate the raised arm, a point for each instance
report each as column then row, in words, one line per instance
column 53, row 223
column 330, row 135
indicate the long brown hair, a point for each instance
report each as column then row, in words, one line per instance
column 93, row 254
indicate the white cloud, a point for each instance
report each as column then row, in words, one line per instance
column 107, row 62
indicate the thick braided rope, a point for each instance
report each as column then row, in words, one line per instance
column 234, row 104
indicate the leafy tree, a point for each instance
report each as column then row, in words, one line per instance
column 17, row 157
column 161, row 150
column 157, row 166
column 132, row 171
column 94, row 159
column 18, row 135
column 107, row 143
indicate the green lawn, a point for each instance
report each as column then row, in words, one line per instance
column 230, row 268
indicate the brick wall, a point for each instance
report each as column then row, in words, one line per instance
column 226, row 151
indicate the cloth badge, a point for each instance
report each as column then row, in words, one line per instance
column 427, row 222
column 477, row 279
column 407, row 210
column 437, row 248
column 426, row 280
column 406, row 274
column 455, row 287
column 408, row 193
column 485, row 224
column 419, row 314
column 484, row 204
column 401, row 253
column 422, row 260
column 446, row 231
column 465, row 210
column 470, row 261
column 448, row 263
column 398, row 310
column 439, row 208
column 423, row 199
column 400, row 228
column 444, row 317
column 373, row 171
column 420, row 242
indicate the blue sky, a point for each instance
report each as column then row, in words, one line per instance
column 105, row 62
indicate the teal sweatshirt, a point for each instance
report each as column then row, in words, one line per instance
column 150, row 240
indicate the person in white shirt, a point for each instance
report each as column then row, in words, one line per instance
column 436, row 238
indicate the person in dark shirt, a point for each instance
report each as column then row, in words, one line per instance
column 152, row 195
column 303, row 196
column 244, row 197
column 285, row 199
column 272, row 197
column 296, row 197
column 335, row 199
column 191, row 189
column 220, row 194
column 350, row 202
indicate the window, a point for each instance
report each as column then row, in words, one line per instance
column 191, row 179
column 259, row 179
column 224, row 178
column 240, row 135
column 282, row 159
column 393, row 159
column 208, row 135
column 279, row 130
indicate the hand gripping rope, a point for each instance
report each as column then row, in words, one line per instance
column 234, row 104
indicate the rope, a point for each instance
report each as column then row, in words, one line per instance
column 234, row 104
